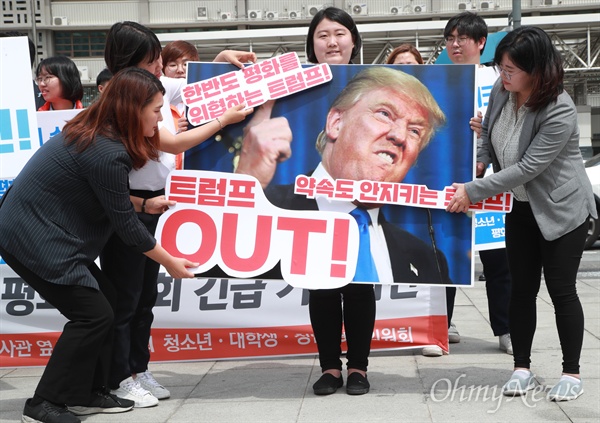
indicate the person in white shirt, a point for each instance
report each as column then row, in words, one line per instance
column 133, row 275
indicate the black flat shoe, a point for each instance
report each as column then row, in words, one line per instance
column 357, row 384
column 327, row 384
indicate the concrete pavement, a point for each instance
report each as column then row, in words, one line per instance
column 405, row 386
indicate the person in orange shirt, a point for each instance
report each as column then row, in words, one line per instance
column 59, row 82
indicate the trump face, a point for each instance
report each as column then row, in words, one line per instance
column 378, row 138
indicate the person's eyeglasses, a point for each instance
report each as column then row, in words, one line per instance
column 460, row 40
column 44, row 79
column 506, row 74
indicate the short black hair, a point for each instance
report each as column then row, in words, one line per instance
column 103, row 77
column 467, row 24
column 129, row 44
column 67, row 73
column 336, row 15
column 22, row 34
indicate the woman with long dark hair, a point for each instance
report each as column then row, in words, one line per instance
column 56, row 218
column 531, row 137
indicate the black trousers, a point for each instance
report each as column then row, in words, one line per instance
column 353, row 306
column 134, row 277
column 528, row 254
column 497, row 287
column 79, row 363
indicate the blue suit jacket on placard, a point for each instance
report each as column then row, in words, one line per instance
column 412, row 260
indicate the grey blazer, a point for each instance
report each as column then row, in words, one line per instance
column 64, row 205
column 551, row 167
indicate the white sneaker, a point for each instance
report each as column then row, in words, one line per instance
column 433, row 351
column 150, row 384
column 453, row 335
column 567, row 389
column 519, row 383
column 505, row 344
column 132, row 390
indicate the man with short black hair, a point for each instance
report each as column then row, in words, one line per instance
column 102, row 79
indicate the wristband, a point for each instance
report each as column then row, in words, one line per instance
column 220, row 124
column 144, row 205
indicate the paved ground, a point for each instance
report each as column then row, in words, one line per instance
column 461, row 387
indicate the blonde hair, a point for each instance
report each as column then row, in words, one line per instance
column 378, row 77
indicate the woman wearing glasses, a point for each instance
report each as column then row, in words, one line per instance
column 175, row 57
column 530, row 135
column 59, row 82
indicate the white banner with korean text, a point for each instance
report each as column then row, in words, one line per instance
column 209, row 319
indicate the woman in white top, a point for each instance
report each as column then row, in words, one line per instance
column 133, row 275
